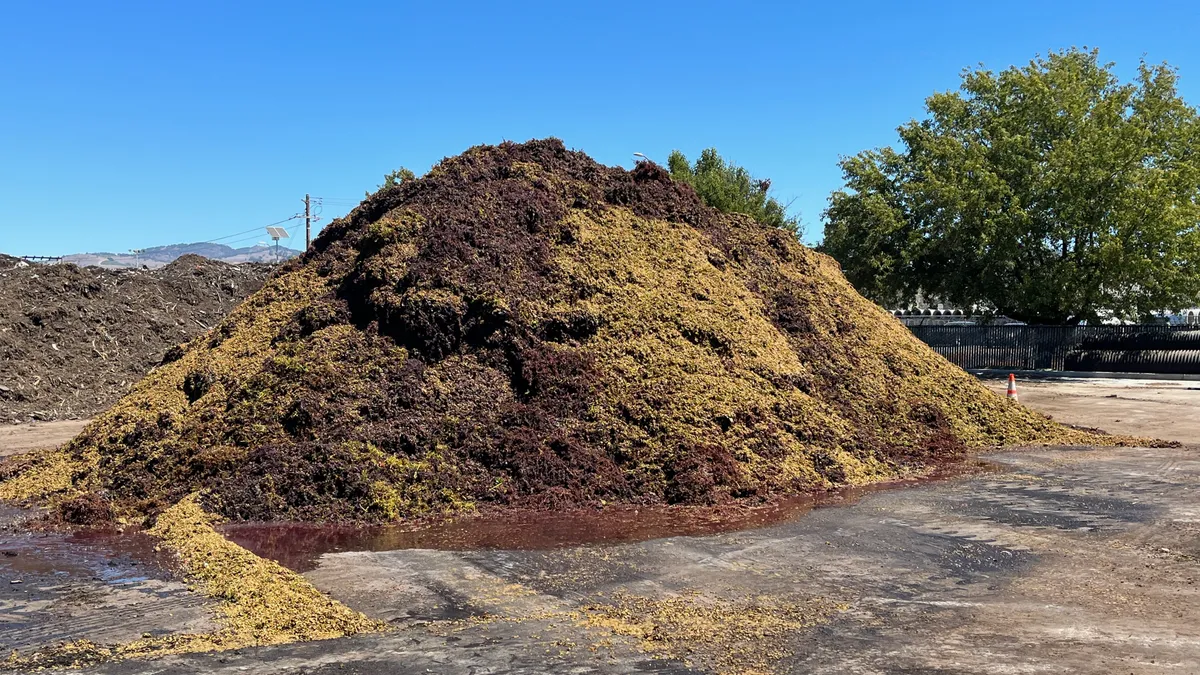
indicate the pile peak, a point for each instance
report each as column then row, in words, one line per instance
column 526, row 327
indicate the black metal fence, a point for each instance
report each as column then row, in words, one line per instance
column 1112, row 349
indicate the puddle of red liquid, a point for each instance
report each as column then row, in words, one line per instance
column 299, row 545
column 109, row 556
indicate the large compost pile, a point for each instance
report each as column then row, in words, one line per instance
column 73, row 340
column 524, row 327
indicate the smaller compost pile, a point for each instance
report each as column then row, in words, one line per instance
column 74, row 340
column 524, row 327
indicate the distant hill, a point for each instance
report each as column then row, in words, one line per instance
column 161, row 255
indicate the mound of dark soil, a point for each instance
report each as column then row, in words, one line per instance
column 74, row 340
column 525, row 327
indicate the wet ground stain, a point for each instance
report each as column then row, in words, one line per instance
column 111, row 556
column 118, row 557
column 298, row 546
column 105, row 586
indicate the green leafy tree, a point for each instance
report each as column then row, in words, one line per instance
column 730, row 188
column 394, row 178
column 1052, row 193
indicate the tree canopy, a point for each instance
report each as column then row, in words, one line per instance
column 394, row 178
column 1052, row 193
column 730, row 188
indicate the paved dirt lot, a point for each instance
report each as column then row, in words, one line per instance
column 1054, row 561
column 1167, row 409
column 18, row 438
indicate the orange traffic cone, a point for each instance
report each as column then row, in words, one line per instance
column 1012, row 387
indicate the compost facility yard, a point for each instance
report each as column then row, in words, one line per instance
column 1049, row 560
column 569, row 418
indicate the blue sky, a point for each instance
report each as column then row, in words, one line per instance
column 127, row 124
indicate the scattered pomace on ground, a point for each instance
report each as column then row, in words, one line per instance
column 73, row 340
column 749, row 635
column 261, row 602
column 525, row 327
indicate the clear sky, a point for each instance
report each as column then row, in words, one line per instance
column 135, row 124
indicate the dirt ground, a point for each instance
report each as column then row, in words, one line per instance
column 18, row 438
column 1058, row 560
column 1167, row 409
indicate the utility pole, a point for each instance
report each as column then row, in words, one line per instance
column 307, row 222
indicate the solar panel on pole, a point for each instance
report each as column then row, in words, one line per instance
column 277, row 233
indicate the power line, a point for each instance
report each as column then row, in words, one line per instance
column 218, row 239
column 242, row 241
column 258, row 237
column 235, row 234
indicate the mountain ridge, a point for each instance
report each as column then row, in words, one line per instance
column 157, row 256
